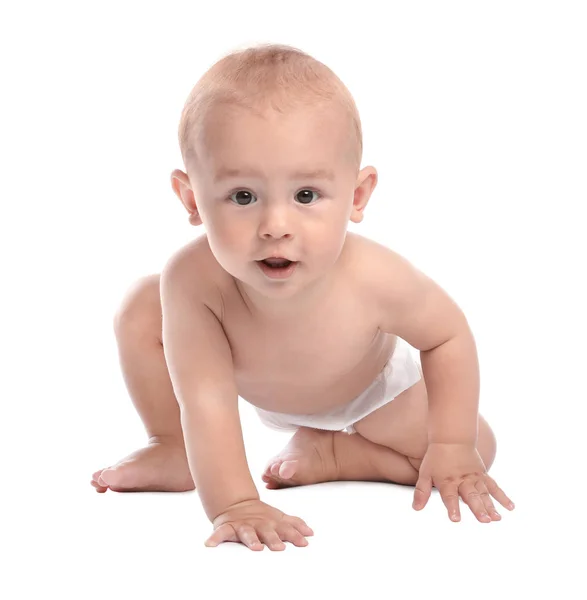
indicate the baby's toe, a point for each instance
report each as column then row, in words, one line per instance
column 288, row 469
column 275, row 468
column 97, row 474
column 267, row 470
column 279, row 473
column 100, row 485
column 108, row 477
column 271, row 475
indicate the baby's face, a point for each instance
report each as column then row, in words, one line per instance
column 282, row 185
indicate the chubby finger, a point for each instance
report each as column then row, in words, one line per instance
column 300, row 525
column 270, row 538
column 224, row 533
column 498, row 493
column 449, row 493
column 486, row 499
column 472, row 498
column 288, row 533
column 248, row 536
column 422, row 492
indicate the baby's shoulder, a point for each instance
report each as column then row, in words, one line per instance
column 377, row 273
column 368, row 261
column 197, row 263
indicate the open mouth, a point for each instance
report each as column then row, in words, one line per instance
column 276, row 263
column 277, row 268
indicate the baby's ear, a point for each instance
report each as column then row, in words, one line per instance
column 195, row 218
column 366, row 182
column 367, row 179
column 180, row 184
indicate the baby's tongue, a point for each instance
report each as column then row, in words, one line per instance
column 277, row 263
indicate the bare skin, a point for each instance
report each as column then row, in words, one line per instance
column 311, row 456
column 161, row 466
column 285, row 184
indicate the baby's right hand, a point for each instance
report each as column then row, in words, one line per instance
column 252, row 522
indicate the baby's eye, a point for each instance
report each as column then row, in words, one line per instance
column 306, row 197
column 246, row 195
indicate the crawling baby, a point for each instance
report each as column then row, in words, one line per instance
column 279, row 304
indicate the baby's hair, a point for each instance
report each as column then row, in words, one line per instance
column 264, row 76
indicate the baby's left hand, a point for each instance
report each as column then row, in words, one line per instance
column 458, row 469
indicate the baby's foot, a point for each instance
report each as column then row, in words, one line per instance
column 308, row 458
column 161, row 466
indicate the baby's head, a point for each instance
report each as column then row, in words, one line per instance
column 272, row 144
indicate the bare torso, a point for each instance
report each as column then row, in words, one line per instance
column 310, row 364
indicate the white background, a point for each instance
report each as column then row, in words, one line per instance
column 474, row 115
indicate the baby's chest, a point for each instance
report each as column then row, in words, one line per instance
column 323, row 350
column 305, row 365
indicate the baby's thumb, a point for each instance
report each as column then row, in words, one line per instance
column 224, row 533
column 422, row 492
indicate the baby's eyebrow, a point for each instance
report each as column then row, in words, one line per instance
column 227, row 173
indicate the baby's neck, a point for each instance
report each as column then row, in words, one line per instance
column 286, row 311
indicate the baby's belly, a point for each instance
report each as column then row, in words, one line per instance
column 309, row 395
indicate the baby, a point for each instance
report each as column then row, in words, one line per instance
column 279, row 304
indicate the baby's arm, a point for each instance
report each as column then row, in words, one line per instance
column 200, row 366
column 414, row 307
column 417, row 309
column 201, row 369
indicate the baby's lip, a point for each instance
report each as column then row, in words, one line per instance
column 276, row 258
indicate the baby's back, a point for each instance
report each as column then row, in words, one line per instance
column 316, row 361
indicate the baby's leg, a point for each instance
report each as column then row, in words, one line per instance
column 161, row 465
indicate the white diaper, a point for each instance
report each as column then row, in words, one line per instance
column 400, row 372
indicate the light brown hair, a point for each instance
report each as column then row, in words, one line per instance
column 275, row 76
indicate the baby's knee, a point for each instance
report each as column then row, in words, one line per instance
column 141, row 306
